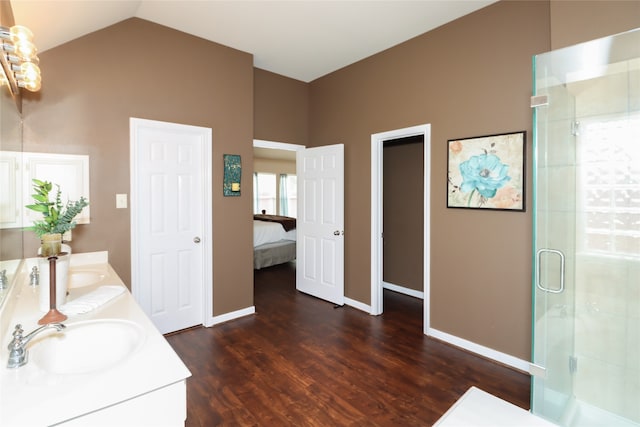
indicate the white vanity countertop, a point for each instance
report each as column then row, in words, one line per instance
column 29, row 396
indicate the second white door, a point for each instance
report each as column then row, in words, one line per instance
column 170, row 163
column 320, row 222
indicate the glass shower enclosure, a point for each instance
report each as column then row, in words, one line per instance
column 586, row 275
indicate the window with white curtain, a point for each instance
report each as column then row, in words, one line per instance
column 275, row 194
column 264, row 191
column 288, row 195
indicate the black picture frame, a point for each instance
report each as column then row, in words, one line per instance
column 487, row 172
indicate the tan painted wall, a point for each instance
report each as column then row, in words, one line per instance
column 403, row 190
column 578, row 21
column 470, row 77
column 281, row 108
column 276, row 166
column 94, row 84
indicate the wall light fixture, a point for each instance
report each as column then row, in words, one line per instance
column 19, row 58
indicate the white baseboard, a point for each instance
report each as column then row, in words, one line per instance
column 214, row 320
column 402, row 290
column 489, row 353
column 357, row 304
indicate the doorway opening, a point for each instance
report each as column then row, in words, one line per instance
column 402, row 213
column 274, row 173
column 378, row 141
column 318, row 248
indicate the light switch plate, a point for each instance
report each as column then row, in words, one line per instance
column 121, row 201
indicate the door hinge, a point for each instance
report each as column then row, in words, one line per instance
column 573, row 364
column 539, row 101
column 575, row 128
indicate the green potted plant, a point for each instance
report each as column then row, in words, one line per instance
column 58, row 218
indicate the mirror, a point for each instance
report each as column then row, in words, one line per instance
column 11, row 251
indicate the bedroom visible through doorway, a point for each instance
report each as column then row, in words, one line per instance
column 274, row 203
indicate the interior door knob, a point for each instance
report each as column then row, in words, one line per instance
column 196, row 240
column 336, row 233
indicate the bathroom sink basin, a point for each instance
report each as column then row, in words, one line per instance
column 78, row 279
column 87, row 346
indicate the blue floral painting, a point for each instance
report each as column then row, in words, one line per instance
column 486, row 172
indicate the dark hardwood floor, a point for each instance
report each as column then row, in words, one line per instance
column 301, row 362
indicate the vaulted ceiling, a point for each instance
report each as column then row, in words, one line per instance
column 300, row 39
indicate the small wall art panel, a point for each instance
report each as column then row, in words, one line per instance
column 232, row 175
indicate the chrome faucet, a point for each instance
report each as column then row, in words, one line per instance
column 18, row 346
column 34, row 277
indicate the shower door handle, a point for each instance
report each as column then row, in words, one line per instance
column 539, row 283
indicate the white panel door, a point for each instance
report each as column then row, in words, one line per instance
column 320, row 222
column 169, row 167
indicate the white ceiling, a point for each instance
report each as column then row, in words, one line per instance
column 300, row 39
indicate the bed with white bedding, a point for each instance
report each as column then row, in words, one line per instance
column 272, row 244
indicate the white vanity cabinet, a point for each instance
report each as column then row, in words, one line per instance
column 147, row 387
column 163, row 407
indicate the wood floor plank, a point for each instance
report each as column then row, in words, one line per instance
column 301, row 362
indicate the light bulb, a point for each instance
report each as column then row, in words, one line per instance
column 26, row 50
column 20, row 33
column 32, row 86
column 30, row 71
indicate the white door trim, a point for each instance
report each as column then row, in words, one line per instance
column 377, row 141
column 207, row 254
